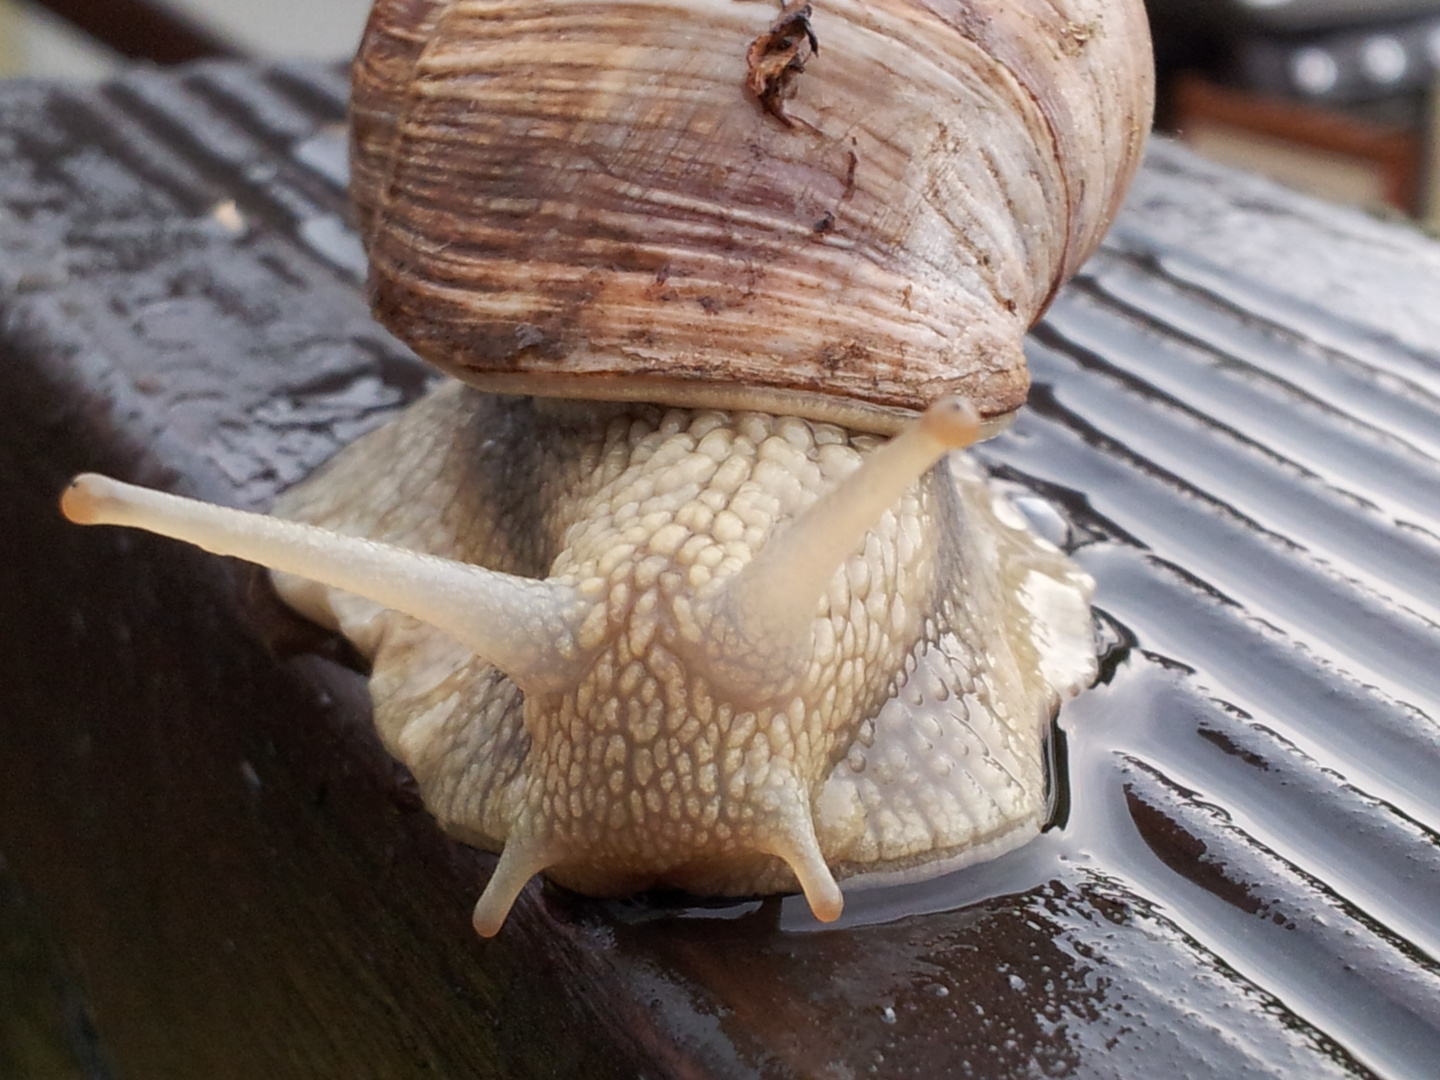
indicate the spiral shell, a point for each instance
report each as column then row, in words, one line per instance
column 840, row 210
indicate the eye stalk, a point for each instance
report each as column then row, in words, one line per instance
column 524, row 627
column 759, row 626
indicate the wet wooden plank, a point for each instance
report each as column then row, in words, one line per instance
column 142, row 30
column 1233, row 428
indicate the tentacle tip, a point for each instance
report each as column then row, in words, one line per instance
column 826, row 908
column 821, row 891
column 519, row 862
column 953, row 421
column 81, row 501
column 489, row 917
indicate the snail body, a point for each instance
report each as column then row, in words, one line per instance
column 634, row 622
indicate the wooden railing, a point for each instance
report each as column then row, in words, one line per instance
column 142, row 29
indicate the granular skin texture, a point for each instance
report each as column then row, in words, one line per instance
column 906, row 734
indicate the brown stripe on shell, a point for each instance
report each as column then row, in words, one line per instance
column 395, row 34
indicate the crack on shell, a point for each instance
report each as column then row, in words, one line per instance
column 777, row 56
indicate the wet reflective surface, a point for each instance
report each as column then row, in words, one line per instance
column 1235, row 427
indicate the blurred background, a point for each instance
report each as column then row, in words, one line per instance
column 1340, row 98
column 85, row 39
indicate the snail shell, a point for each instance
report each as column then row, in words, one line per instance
column 589, row 198
column 697, row 634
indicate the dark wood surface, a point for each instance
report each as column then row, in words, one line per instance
column 142, row 30
column 210, row 868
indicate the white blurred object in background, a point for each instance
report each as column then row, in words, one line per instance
column 320, row 29
column 34, row 42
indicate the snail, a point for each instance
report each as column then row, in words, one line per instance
column 680, row 582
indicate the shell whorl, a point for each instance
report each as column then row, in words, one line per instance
column 587, row 198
